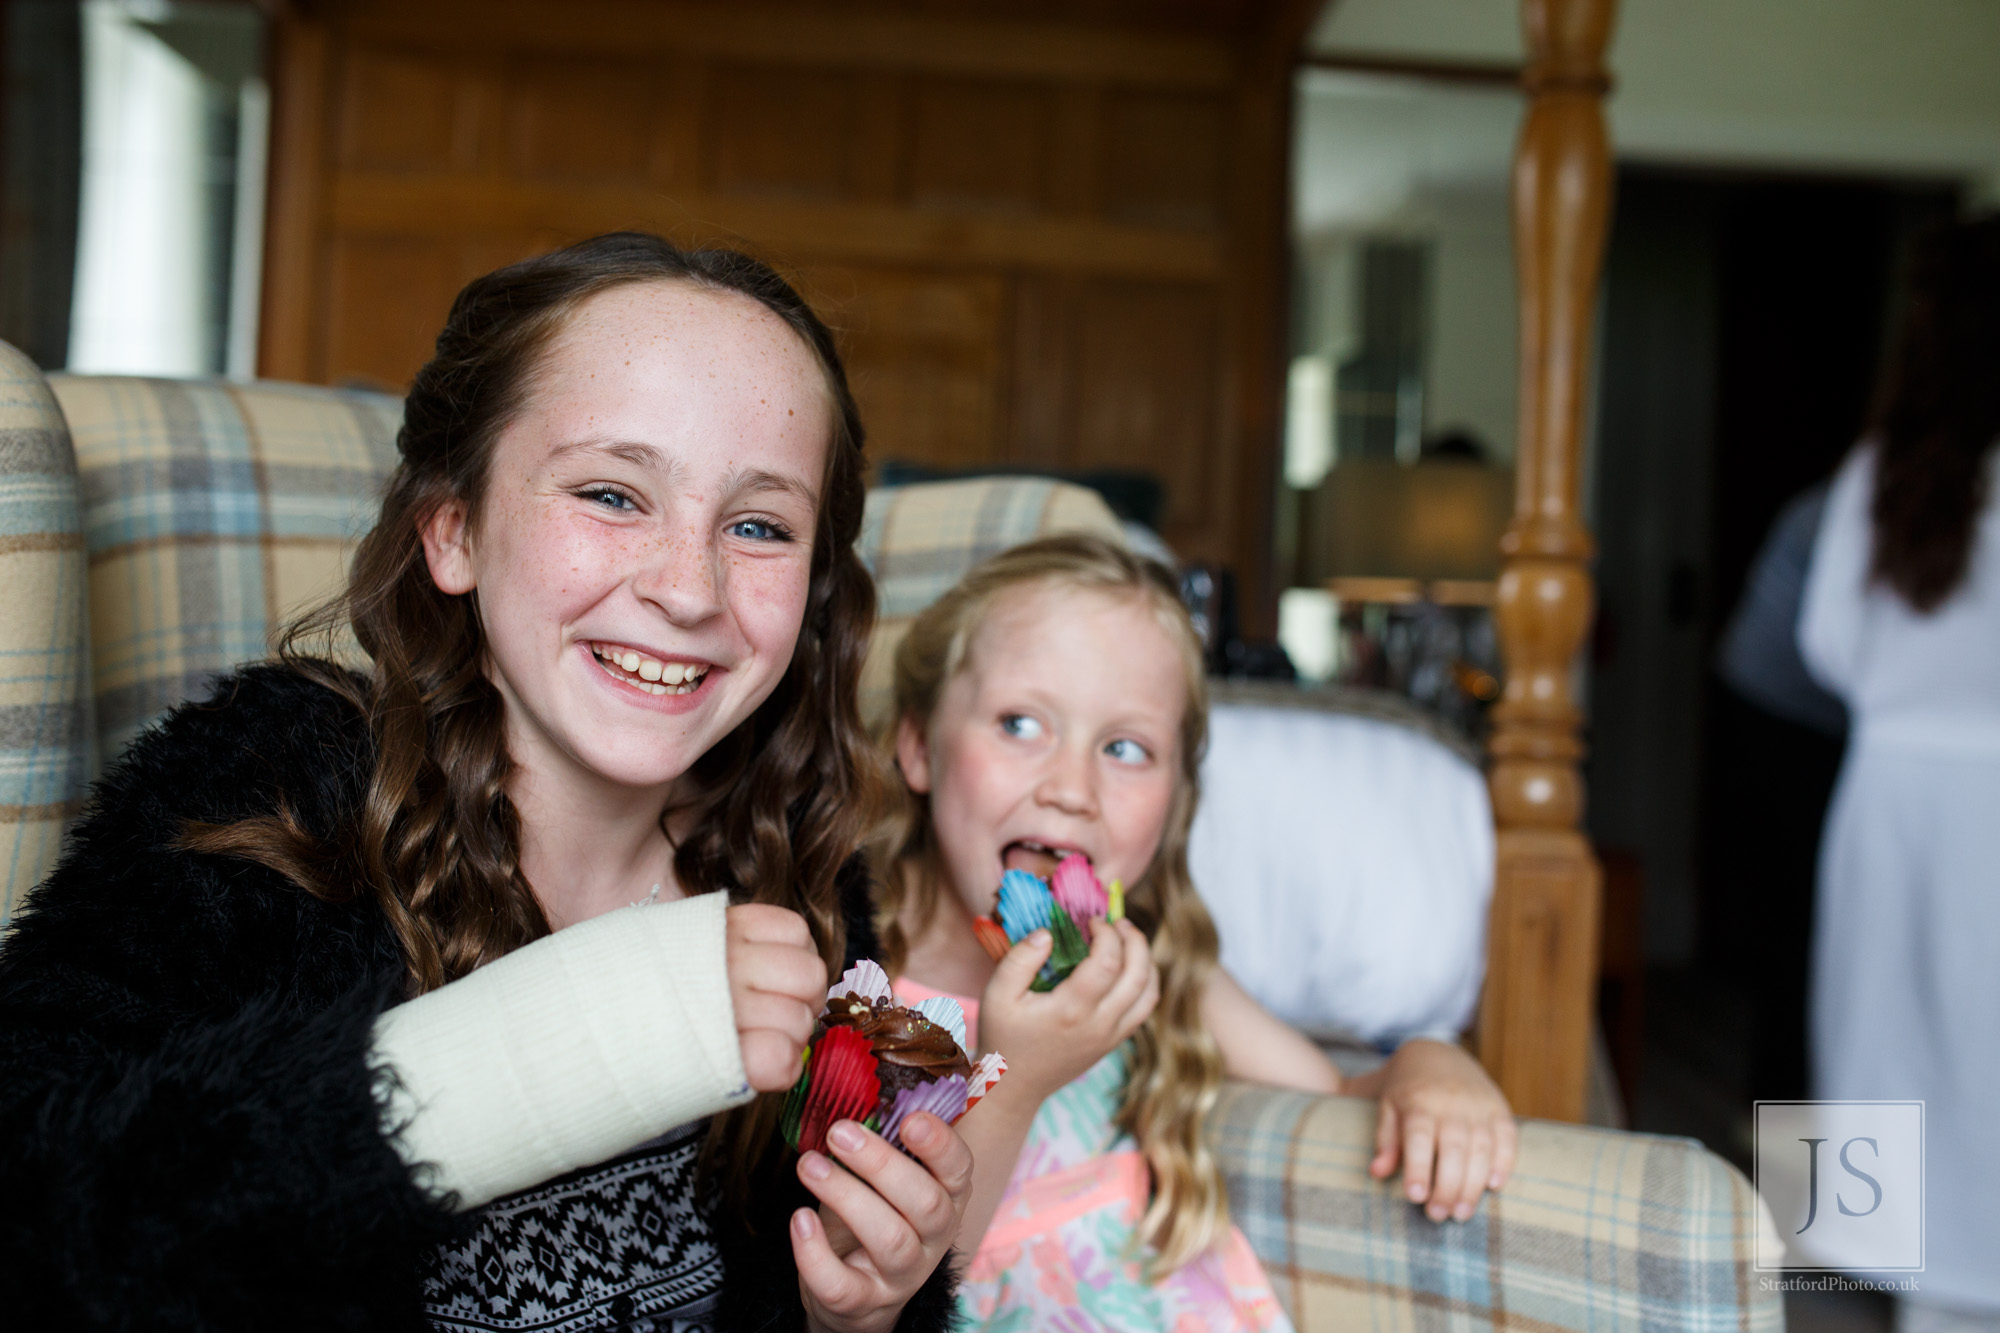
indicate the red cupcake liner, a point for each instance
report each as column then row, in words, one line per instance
column 844, row 1085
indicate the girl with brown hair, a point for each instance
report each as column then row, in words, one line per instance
column 1053, row 704
column 441, row 994
column 1901, row 619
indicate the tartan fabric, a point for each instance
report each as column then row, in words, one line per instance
column 1598, row 1231
column 212, row 513
column 918, row 540
column 45, row 729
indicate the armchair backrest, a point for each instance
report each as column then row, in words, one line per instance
column 213, row 513
column 156, row 533
column 46, row 741
column 920, row 539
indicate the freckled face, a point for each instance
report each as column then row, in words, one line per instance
column 643, row 548
column 1061, row 734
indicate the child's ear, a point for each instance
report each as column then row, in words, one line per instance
column 913, row 755
column 448, row 548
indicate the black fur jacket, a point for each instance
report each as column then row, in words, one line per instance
column 189, row 1127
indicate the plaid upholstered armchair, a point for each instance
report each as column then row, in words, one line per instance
column 154, row 533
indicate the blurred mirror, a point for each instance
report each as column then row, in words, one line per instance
column 1400, row 407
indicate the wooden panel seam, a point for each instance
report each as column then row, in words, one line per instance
column 436, row 205
column 818, row 38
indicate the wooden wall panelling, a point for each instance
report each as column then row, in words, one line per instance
column 1076, row 117
column 676, row 163
column 976, row 40
column 580, row 120
column 296, row 183
column 1035, row 232
column 980, row 145
column 876, row 160
column 1163, row 158
column 414, row 111
column 924, row 355
column 771, row 224
column 398, row 111
column 1038, row 391
column 1534, row 1023
column 780, row 131
column 1144, row 394
column 387, row 297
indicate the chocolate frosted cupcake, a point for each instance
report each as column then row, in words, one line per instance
column 878, row 1061
column 910, row 1048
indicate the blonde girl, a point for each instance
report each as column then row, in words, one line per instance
column 1053, row 703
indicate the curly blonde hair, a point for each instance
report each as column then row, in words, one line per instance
column 1176, row 1068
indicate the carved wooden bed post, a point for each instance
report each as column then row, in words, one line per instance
column 1534, row 1025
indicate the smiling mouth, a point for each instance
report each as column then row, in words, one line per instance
column 648, row 674
column 1036, row 858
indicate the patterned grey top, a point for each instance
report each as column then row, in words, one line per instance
column 619, row 1246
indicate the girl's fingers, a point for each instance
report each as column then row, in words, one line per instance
column 1135, row 1014
column 770, row 1059
column 1137, row 964
column 1097, row 975
column 776, row 1013
column 898, row 1209
column 768, row 924
column 1478, row 1167
column 777, row 969
column 1419, row 1142
column 833, row 1283
column 1141, row 1009
column 944, row 1154
column 901, row 1214
column 1107, row 943
column 1135, row 971
column 885, row 1236
column 1450, row 1171
column 1506, row 1138
column 1388, row 1139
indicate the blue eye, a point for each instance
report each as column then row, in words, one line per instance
column 606, row 497
column 760, row 530
column 1021, row 726
column 1128, row 752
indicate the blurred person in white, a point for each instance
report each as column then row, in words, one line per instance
column 1902, row 621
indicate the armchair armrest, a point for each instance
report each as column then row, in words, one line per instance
column 1599, row 1230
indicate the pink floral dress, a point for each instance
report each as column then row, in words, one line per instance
column 1062, row 1253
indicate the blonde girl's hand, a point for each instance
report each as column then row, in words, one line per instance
column 1450, row 1125
column 777, row 984
column 884, row 1222
column 1050, row 1037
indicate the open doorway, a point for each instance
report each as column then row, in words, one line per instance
column 1744, row 320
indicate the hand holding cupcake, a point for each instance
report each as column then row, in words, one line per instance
column 877, row 1061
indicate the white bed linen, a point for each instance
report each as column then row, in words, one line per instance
column 1348, row 863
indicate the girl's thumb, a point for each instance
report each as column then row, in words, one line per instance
column 1017, row 970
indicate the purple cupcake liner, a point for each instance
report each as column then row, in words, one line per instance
column 944, row 1098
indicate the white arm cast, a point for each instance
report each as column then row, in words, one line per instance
column 567, row 1051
